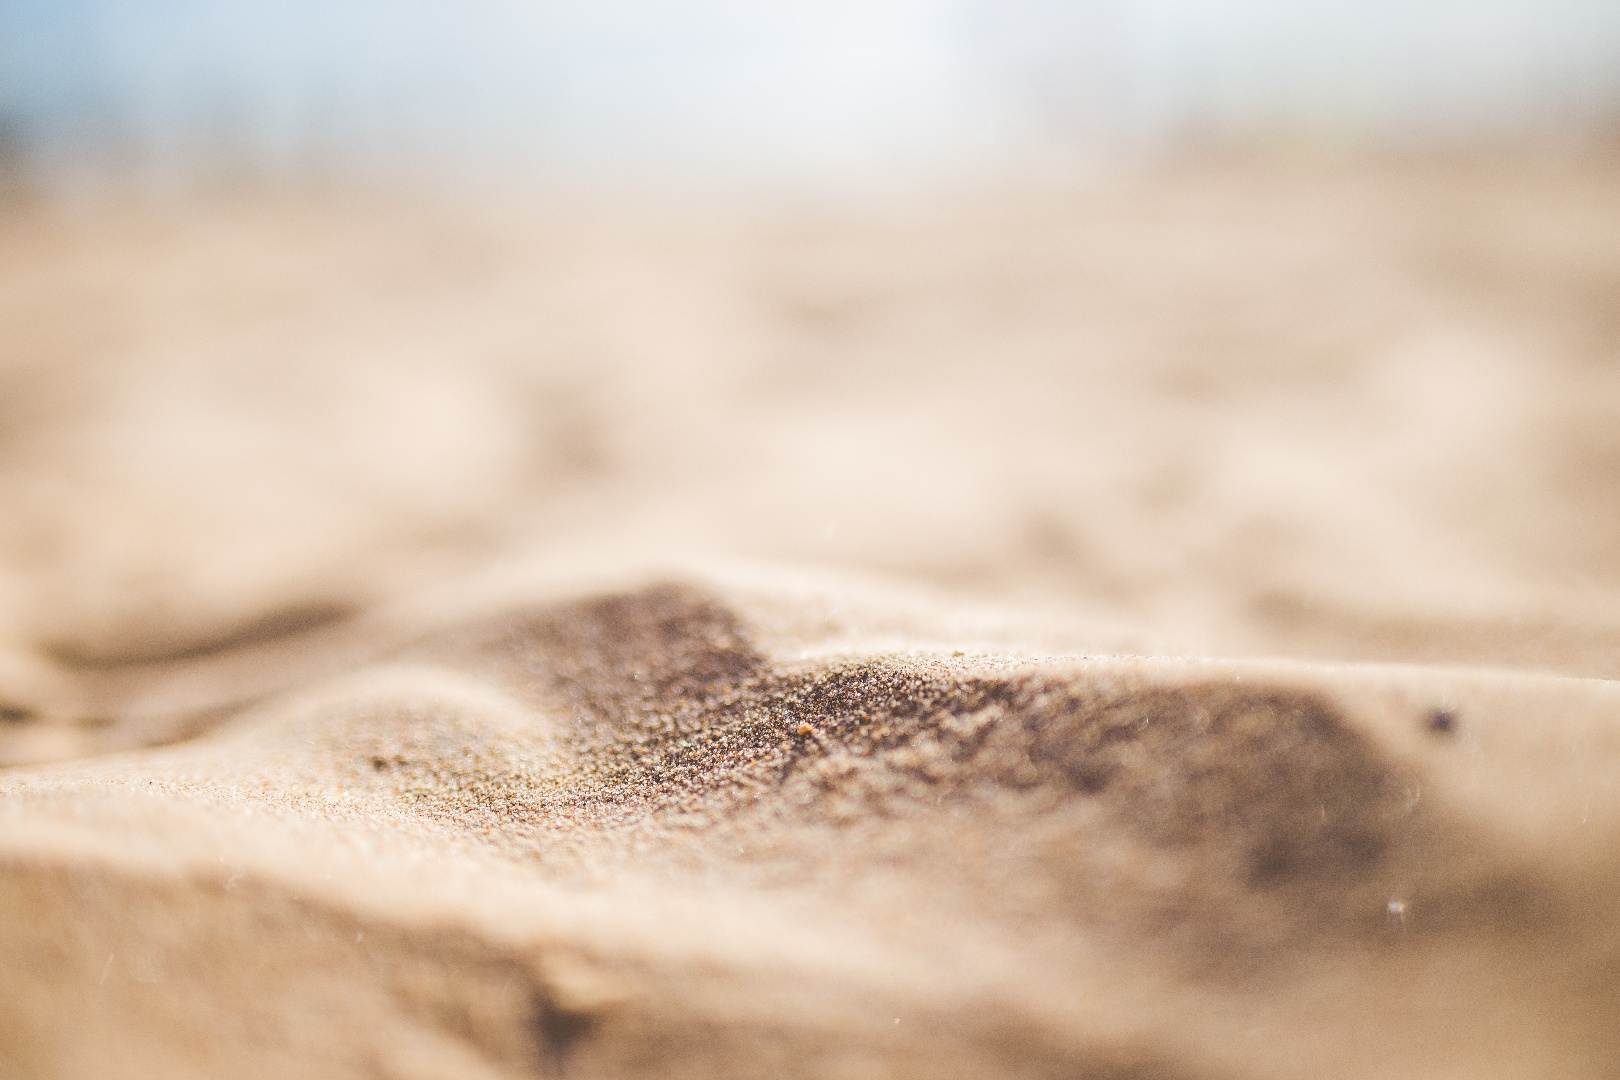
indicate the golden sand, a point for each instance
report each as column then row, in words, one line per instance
column 1161, row 629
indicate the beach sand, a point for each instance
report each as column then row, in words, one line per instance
column 1163, row 626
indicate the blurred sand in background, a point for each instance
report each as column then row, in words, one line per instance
column 1255, row 406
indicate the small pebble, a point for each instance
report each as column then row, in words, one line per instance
column 1442, row 721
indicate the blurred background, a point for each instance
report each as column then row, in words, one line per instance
column 1254, row 326
column 721, row 92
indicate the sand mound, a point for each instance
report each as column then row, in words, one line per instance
column 621, row 834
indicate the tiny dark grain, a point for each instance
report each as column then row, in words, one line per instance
column 1440, row 722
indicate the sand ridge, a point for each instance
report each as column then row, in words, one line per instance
column 1039, row 866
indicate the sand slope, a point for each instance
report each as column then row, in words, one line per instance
column 627, row 834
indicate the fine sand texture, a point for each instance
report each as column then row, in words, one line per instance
column 1163, row 627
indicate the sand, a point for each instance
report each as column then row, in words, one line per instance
column 1162, row 627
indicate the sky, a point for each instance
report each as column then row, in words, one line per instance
column 773, row 92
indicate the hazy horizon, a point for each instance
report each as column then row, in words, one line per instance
column 712, row 90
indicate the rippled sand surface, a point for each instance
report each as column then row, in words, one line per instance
column 1161, row 628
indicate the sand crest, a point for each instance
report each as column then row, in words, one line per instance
column 609, row 835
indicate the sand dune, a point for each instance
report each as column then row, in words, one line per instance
column 618, row 834
column 1162, row 630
